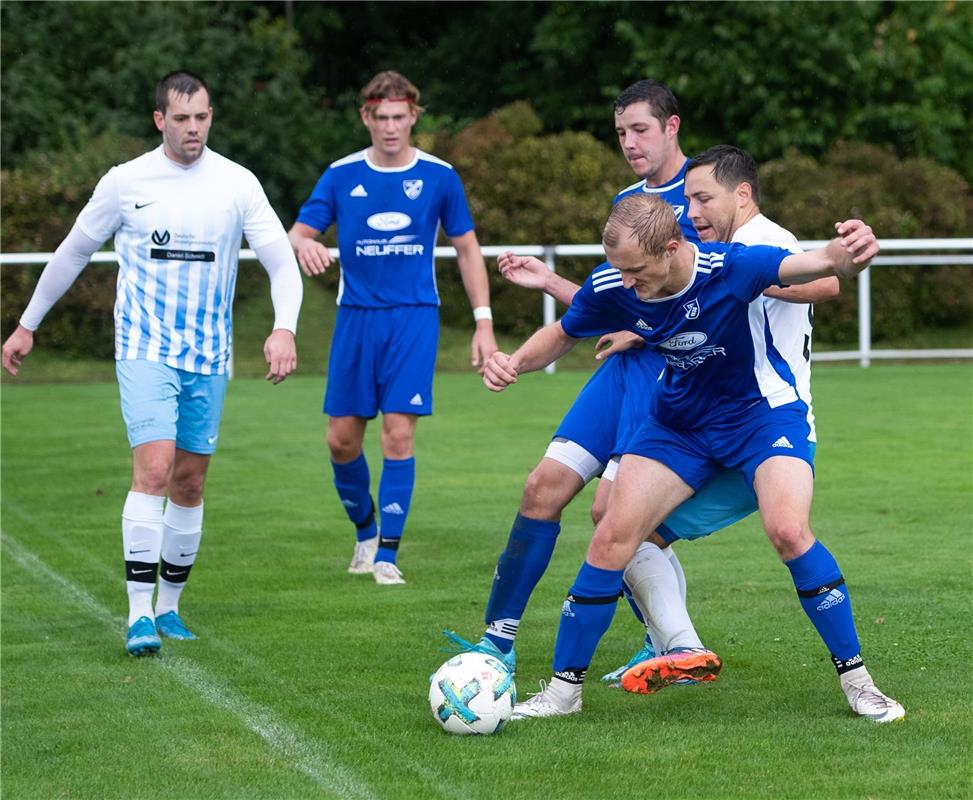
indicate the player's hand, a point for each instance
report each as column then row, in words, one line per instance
column 526, row 271
column 16, row 348
column 280, row 351
column 858, row 245
column 313, row 257
column 499, row 372
column 617, row 342
column 484, row 344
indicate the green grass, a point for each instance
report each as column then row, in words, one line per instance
column 308, row 682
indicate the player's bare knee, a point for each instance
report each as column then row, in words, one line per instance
column 541, row 498
column 599, row 506
column 343, row 448
column 790, row 537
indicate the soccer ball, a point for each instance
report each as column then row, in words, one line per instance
column 472, row 693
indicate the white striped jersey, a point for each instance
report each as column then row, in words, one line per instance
column 713, row 334
column 177, row 236
column 790, row 323
column 388, row 219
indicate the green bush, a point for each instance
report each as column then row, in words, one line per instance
column 900, row 199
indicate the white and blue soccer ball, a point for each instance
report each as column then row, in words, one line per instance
column 472, row 693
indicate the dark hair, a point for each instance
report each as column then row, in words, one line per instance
column 648, row 218
column 662, row 102
column 179, row 82
column 731, row 167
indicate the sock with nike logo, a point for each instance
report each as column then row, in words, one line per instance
column 141, row 543
column 183, row 528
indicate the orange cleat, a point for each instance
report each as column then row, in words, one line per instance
column 677, row 666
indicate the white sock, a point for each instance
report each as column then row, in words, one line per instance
column 183, row 528
column 141, row 543
column 564, row 693
column 655, row 587
column 677, row 568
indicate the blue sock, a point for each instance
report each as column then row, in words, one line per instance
column 394, row 497
column 585, row 616
column 520, row 567
column 824, row 597
column 352, row 481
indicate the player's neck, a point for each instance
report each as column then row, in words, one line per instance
column 744, row 215
column 668, row 171
column 403, row 158
column 680, row 272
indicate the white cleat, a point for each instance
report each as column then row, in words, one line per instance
column 865, row 699
column 548, row 702
column 387, row 574
column 363, row 561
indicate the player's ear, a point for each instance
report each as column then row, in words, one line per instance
column 159, row 119
column 744, row 193
column 672, row 125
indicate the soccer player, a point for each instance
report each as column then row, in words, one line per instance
column 388, row 202
column 177, row 214
column 726, row 399
column 724, row 195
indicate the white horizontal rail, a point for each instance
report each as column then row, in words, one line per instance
column 945, row 252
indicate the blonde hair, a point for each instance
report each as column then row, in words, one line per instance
column 389, row 85
column 647, row 217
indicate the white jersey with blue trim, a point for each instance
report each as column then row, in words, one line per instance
column 674, row 193
column 177, row 233
column 388, row 219
column 713, row 334
column 790, row 323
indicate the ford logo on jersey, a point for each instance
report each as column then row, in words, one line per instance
column 685, row 341
column 389, row 221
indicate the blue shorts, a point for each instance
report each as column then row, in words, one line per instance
column 162, row 403
column 382, row 359
column 726, row 499
column 743, row 443
column 612, row 404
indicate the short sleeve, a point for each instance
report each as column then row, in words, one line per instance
column 589, row 314
column 750, row 270
column 319, row 210
column 456, row 218
column 102, row 216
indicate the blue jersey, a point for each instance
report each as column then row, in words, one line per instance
column 713, row 334
column 388, row 219
column 674, row 193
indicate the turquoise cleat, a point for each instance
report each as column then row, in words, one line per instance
column 142, row 638
column 171, row 626
column 460, row 645
column 614, row 678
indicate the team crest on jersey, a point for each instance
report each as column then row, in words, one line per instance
column 412, row 187
column 679, row 211
column 692, row 309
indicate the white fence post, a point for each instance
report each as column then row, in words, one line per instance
column 865, row 318
column 549, row 308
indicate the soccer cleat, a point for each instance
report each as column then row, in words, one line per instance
column 679, row 664
column 363, row 561
column 142, row 638
column 865, row 699
column 485, row 646
column 386, row 573
column 614, row 678
column 546, row 703
column 171, row 626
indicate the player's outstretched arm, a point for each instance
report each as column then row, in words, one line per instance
column 472, row 270
column 844, row 256
column 532, row 273
column 545, row 346
column 819, row 291
column 313, row 256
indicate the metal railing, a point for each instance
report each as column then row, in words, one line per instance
column 923, row 253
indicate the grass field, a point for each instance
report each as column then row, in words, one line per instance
column 308, row 682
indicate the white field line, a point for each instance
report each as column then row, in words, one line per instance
column 310, row 757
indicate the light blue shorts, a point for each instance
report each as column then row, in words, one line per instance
column 162, row 403
column 382, row 359
column 721, row 502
